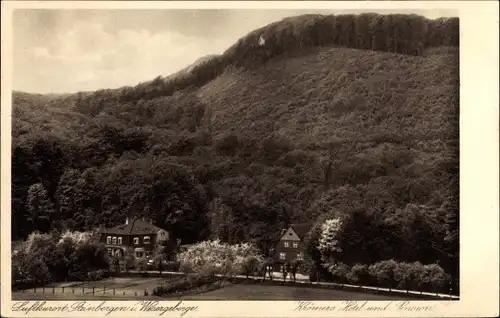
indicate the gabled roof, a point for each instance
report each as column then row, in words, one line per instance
column 134, row 227
column 301, row 229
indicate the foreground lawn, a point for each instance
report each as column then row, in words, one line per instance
column 133, row 289
column 113, row 288
column 270, row 292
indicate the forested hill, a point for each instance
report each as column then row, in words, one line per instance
column 353, row 115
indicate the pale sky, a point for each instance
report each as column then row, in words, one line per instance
column 61, row 51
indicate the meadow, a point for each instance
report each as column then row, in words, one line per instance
column 132, row 288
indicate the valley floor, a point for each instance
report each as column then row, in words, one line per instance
column 140, row 288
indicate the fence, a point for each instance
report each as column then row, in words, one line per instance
column 87, row 291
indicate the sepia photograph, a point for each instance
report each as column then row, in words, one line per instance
column 205, row 154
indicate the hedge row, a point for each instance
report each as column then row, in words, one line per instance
column 391, row 274
column 186, row 283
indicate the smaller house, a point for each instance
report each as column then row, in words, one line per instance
column 140, row 237
column 290, row 245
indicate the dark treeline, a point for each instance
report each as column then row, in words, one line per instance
column 383, row 151
column 396, row 33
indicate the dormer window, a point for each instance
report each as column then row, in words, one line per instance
column 136, row 240
column 114, row 240
column 147, row 240
column 108, row 240
column 119, row 241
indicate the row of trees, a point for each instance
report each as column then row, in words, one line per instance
column 393, row 275
column 397, row 33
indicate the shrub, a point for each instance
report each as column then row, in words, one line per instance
column 313, row 274
column 215, row 257
column 340, row 272
column 359, row 274
column 383, row 272
column 188, row 282
column 247, row 259
column 433, row 277
column 37, row 271
column 171, row 266
column 407, row 275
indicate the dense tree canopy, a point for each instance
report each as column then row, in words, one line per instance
column 350, row 117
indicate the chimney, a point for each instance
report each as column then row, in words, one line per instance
column 126, row 220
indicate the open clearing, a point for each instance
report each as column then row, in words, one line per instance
column 133, row 289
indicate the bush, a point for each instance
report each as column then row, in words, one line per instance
column 383, row 272
column 215, row 257
column 96, row 275
column 171, row 266
column 188, row 282
column 340, row 272
column 359, row 275
column 313, row 274
column 38, row 272
column 433, row 277
column 407, row 275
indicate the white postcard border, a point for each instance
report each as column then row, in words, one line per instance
column 479, row 167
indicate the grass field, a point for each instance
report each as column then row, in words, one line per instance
column 133, row 289
column 119, row 288
column 269, row 292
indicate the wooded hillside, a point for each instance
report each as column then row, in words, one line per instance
column 356, row 115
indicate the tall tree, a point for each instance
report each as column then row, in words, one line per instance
column 40, row 207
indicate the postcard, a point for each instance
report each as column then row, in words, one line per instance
column 249, row 159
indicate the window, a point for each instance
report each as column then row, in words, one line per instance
column 139, row 254
column 282, row 255
column 119, row 241
column 114, row 240
column 110, row 251
column 136, row 240
column 146, row 240
column 300, row 257
column 295, row 245
column 148, row 253
column 108, row 240
column 286, row 244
